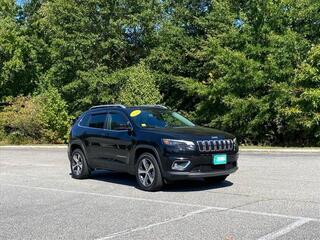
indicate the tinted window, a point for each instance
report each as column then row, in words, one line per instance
column 118, row 121
column 159, row 118
column 97, row 120
column 85, row 121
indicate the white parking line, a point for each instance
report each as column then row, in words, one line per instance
column 166, row 202
column 300, row 220
column 273, row 214
column 125, row 232
column 285, row 230
column 115, row 196
column 7, row 163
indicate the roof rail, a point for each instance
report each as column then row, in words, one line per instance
column 150, row 105
column 108, row 105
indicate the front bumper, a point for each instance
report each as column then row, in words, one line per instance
column 200, row 166
column 174, row 175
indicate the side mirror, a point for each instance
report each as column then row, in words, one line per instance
column 130, row 130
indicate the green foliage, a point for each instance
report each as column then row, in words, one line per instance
column 20, row 122
column 248, row 67
column 130, row 86
column 82, row 36
column 42, row 118
column 19, row 66
column 8, row 8
column 247, row 71
column 138, row 87
column 53, row 115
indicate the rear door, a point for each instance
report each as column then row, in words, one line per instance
column 95, row 139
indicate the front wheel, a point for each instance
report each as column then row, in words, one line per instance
column 217, row 179
column 148, row 173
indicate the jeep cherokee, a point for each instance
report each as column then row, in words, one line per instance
column 151, row 142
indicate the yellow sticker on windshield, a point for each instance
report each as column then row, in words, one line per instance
column 143, row 125
column 135, row 113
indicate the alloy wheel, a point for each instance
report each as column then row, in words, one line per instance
column 146, row 172
column 77, row 164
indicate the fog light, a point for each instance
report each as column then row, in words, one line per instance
column 180, row 165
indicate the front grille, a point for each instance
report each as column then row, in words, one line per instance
column 216, row 145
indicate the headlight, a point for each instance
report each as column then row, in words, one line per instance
column 180, row 144
column 235, row 142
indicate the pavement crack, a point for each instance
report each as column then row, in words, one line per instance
column 236, row 194
column 165, row 221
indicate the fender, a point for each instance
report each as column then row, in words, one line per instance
column 77, row 142
column 133, row 153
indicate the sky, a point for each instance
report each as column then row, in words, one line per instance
column 20, row 2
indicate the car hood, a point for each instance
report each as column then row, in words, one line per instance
column 192, row 133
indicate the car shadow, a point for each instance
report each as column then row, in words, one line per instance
column 194, row 185
column 113, row 177
column 176, row 186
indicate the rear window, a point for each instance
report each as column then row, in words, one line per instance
column 97, row 120
column 84, row 122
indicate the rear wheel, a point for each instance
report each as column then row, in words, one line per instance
column 148, row 173
column 79, row 166
column 217, row 179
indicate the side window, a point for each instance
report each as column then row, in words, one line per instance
column 84, row 122
column 118, row 122
column 97, row 120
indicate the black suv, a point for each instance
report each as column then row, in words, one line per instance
column 151, row 142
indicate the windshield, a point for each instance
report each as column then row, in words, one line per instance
column 159, row 118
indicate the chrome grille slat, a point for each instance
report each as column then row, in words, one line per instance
column 215, row 145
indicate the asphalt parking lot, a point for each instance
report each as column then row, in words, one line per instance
column 274, row 195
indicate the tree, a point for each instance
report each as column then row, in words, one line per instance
column 248, row 67
column 18, row 60
column 35, row 119
column 131, row 86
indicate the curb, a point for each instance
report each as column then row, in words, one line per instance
column 281, row 150
column 34, row 146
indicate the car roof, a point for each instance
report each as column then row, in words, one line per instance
column 122, row 107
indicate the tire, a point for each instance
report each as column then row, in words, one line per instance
column 78, row 164
column 217, row 179
column 147, row 168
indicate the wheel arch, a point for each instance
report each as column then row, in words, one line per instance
column 76, row 144
column 143, row 148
